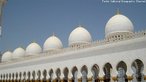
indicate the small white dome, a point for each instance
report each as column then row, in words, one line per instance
column 18, row 53
column 52, row 43
column 7, row 56
column 33, row 49
column 118, row 23
column 79, row 35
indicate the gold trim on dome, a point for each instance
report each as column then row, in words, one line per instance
column 118, row 12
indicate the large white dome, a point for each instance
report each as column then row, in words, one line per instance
column 52, row 43
column 118, row 23
column 7, row 56
column 33, row 49
column 18, row 53
column 79, row 35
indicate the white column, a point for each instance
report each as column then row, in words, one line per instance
column 47, row 76
column 41, row 76
column 14, row 76
column 101, row 72
column 129, row 72
column 70, row 73
column 79, row 75
column 113, row 73
column 89, row 75
column 31, row 75
column 26, row 76
column 54, row 75
column 62, row 74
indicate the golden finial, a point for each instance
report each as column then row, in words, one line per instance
column 33, row 41
column 118, row 12
column 21, row 46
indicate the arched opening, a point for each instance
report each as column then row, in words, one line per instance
column 84, row 72
column 9, row 77
column 24, row 76
column 28, row 74
column 20, row 76
column 51, row 75
column 13, row 75
column 138, row 67
column 74, row 73
column 107, row 71
column 33, row 76
column 4, row 77
column 39, row 76
column 122, row 68
column 16, row 80
column 58, row 73
column 1, row 78
column 95, row 72
column 45, row 75
column 65, row 79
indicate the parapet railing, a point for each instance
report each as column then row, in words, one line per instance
column 68, row 49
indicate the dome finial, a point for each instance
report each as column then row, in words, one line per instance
column 79, row 24
column 21, row 46
column 118, row 12
column 53, row 34
column 33, row 41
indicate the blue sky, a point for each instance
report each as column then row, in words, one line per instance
column 25, row 21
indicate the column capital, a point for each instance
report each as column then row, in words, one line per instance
column 101, row 78
column 129, row 78
column 114, row 78
column 145, row 77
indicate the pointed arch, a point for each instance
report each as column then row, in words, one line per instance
column 58, row 73
column 16, row 76
column 122, row 69
column 138, row 67
column 20, row 76
column 65, row 71
column 9, row 76
column 44, row 75
column 4, row 76
column 74, row 73
column 39, row 75
column 24, row 76
column 33, row 75
column 28, row 75
column 51, row 75
column 123, row 65
column 107, row 71
column 13, row 75
column 1, row 76
column 84, row 71
column 95, row 72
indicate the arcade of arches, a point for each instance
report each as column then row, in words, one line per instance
column 47, row 75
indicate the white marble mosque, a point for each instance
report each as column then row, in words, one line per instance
column 120, row 57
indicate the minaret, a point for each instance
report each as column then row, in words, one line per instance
column 2, row 3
